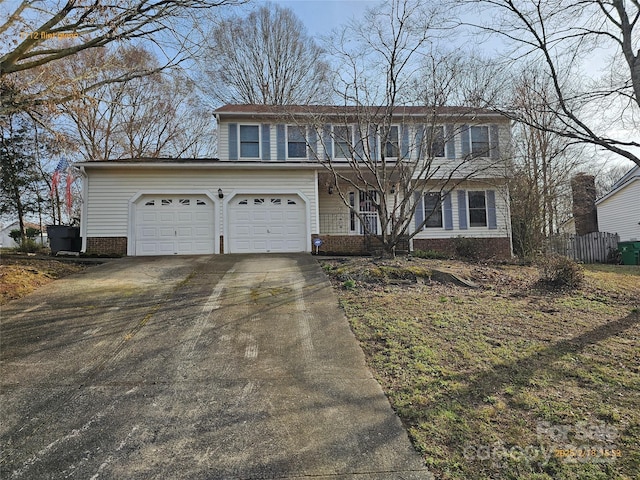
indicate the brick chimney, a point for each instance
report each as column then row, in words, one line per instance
column 583, row 187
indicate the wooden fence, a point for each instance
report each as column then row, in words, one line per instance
column 593, row 247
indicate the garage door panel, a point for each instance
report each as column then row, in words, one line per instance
column 273, row 223
column 164, row 232
column 178, row 224
column 168, row 217
column 186, row 217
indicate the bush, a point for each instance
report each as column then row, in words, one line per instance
column 432, row 254
column 29, row 244
column 560, row 272
column 466, row 248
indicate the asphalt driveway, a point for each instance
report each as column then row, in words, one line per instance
column 217, row 367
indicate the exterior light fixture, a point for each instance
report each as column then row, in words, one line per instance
column 393, row 188
column 330, row 189
column 220, row 194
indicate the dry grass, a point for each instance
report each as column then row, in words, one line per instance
column 506, row 380
column 21, row 275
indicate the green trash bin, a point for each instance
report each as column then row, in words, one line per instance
column 630, row 252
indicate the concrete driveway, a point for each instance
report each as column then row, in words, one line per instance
column 217, row 367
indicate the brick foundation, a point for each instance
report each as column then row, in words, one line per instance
column 348, row 245
column 340, row 244
column 107, row 245
column 482, row 248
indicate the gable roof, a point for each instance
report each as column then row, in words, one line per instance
column 630, row 176
column 348, row 110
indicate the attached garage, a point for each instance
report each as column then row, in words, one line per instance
column 267, row 223
column 174, row 225
column 197, row 207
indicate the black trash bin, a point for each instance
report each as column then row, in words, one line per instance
column 64, row 238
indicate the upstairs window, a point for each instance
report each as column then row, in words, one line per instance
column 480, row 145
column 342, row 141
column 435, row 145
column 392, row 143
column 296, row 142
column 249, row 141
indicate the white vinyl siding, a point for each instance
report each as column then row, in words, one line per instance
column 109, row 191
column 620, row 213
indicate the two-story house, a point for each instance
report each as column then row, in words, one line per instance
column 287, row 175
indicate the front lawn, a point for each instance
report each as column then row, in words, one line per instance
column 509, row 379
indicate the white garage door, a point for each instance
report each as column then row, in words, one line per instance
column 174, row 225
column 267, row 223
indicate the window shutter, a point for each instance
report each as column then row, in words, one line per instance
column 266, row 141
column 281, row 142
column 465, row 141
column 420, row 153
column 360, row 138
column 450, row 144
column 233, row 141
column 326, row 140
column 313, row 142
column 492, row 219
column 462, row 209
column 493, row 138
column 447, row 211
column 419, row 212
column 404, row 148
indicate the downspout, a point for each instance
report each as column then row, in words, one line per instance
column 83, row 209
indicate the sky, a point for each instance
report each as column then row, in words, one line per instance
column 321, row 16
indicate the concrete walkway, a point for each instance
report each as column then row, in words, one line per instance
column 225, row 367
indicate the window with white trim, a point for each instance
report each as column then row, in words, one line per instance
column 480, row 144
column 249, row 141
column 432, row 210
column 342, row 141
column 296, row 142
column 435, row 141
column 392, row 143
column 477, row 208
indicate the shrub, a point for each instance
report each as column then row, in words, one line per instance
column 466, row 248
column 432, row 254
column 560, row 272
column 349, row 284
column 29, row 243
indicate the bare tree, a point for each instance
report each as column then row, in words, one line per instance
column 391, row 141
column 40, row 33
column 544, row 163
column 565, row 37
column 265, row 58
column 154, row 116
column 608, row 176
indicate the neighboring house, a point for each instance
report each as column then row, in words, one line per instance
column 619, row 209
column 270, row 192
column 568, row 227
column 7, row 242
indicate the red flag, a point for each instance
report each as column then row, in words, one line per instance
column 69, row 193
column 55, row 179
